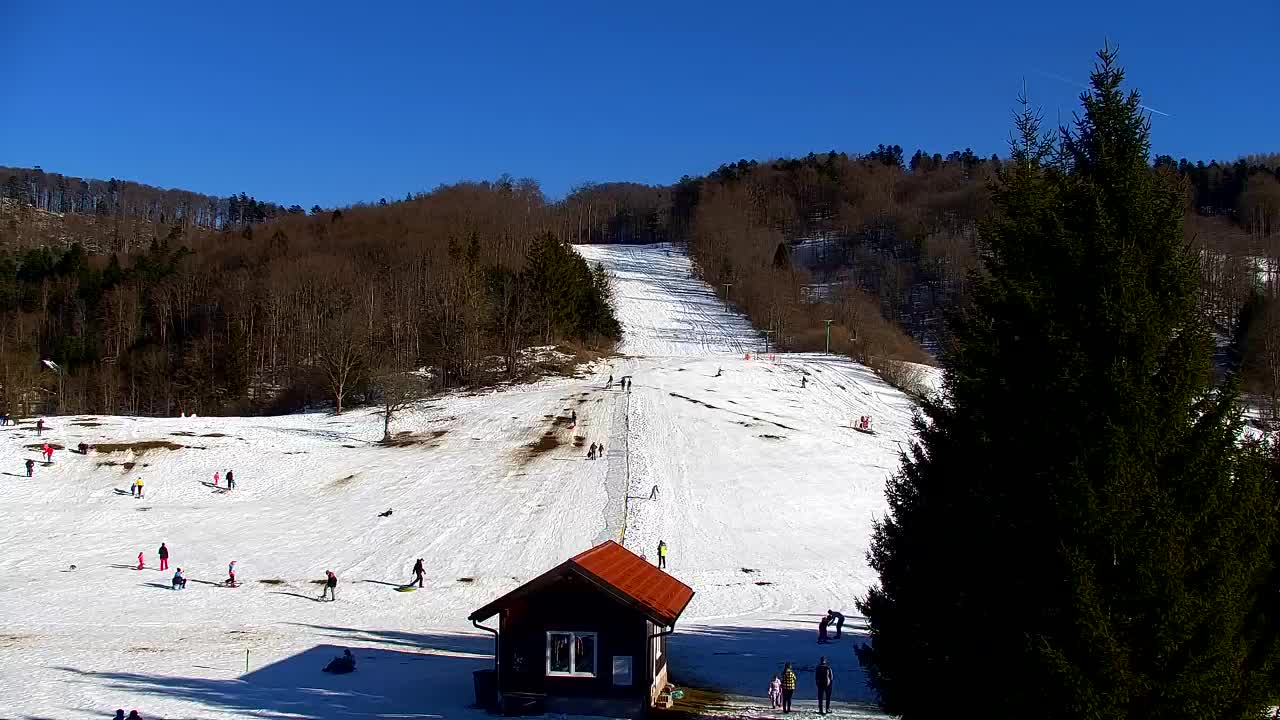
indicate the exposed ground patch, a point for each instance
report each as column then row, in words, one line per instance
column 542, row 445
column 124, row 466
column 137, row 447
column 342, row 482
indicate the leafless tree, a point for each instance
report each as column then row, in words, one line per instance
column 343, row 360
column 397, row 390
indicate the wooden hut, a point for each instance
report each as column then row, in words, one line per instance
column 588, row 637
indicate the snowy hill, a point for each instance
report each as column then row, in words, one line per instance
column 764, row 495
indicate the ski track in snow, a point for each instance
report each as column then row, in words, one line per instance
column 770, row 526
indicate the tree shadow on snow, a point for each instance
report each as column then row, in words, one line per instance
column 427, row 681
column 466, row 644
column 741, row 660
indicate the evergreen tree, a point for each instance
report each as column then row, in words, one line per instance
column 1077, row 532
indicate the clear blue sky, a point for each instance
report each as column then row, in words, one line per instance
column 333, row 103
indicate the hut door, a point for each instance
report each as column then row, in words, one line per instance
column 622, row 670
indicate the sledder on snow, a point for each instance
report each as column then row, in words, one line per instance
column 864, row 425
column 344, row 663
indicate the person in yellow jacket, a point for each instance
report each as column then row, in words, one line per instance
column 137, row 485
column 788, row 687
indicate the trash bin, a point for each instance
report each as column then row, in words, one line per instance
column 486, row 682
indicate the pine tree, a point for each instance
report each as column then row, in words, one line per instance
column 1077, row 532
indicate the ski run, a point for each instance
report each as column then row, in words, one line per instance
column 761, row 489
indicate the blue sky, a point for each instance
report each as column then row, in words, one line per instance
column 333, row 103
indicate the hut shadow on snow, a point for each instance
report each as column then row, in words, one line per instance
column 430, row 677
column 739, row 661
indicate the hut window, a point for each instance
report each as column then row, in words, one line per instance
column 571, row 654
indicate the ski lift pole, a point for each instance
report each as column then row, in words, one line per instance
column 828, row 322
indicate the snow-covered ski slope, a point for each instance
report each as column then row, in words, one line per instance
column 664, row 309
column 764, row 496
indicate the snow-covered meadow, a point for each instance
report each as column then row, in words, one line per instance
column 764, row 495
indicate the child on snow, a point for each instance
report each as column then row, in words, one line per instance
column 139, row 561
column 179, row 580
column 775, row 692
column 231, row 573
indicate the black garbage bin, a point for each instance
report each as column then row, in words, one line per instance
column 486, row 689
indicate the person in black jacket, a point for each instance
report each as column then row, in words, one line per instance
column 31, row 466
column 825, row 679
column 164, row 557
column 418, row 572
column 838, row 619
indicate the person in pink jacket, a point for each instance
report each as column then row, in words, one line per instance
column 139, row 561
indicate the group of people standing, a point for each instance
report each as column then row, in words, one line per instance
column 783, row 687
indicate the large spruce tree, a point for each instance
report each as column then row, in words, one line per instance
column 1077, row 532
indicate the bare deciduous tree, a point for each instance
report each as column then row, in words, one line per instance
column 343, row 361
column 395, row 391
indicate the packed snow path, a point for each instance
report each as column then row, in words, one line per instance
column 764, row 495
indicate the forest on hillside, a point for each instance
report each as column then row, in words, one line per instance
column 161, row 301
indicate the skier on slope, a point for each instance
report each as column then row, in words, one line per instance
column 418, row 572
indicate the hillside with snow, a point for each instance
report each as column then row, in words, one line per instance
column 761, row 490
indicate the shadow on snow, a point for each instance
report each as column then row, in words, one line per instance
column 430, row 676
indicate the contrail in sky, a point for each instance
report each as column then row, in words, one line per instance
column 1069, row 81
